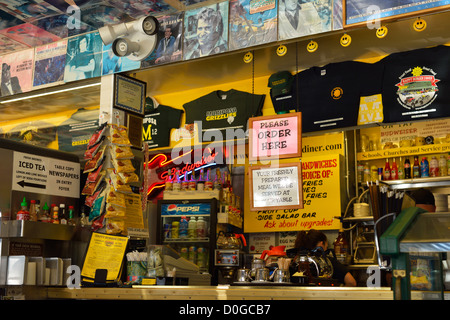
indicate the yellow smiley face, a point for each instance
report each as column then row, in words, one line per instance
column 281, row 50
column 346, row 40
column 248, row 57
column 419, row 25
column 382, row 32
column 312, row 46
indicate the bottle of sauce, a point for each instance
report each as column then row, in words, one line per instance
column 394, row 170
column 71, row 220
column 424, row 168
column 208, row 182
column 62, row 214
column 407, row 168
column 44, row 216
column 434, row 167
column 193, row 182
column 401, row 170
column 373, row 173
column 341, row 248
column 33, row 213
column 416, row 167
column 23, row 213
column 55, row 214
column 185, row 183
column 366, row 176
column 169, row 182
column 443, row 171
column 387, row 171
column 176, row 186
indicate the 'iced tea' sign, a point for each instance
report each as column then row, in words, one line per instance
column 275, row 137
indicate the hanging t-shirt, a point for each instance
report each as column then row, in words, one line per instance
column 329, row 96
column 222, row 110
column 416, row 84
column 158, row 121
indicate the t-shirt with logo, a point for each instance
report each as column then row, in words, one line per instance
column 157, row 123
column 329, row 96
column 416, row 84
column 222, row 110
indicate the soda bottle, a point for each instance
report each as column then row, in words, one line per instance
column 387, row 171
column 407, row 169
column 183, row 227
column 201, row 228
column 23, row 213
column 192, row 228
column 416, row 167
column 434, row 167
column 394, row 170
column 443, row 166
column 424, row 168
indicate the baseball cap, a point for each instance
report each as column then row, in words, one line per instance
column 280, row 83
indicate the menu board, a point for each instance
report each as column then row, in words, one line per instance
column 276, row 187
column 275, row 136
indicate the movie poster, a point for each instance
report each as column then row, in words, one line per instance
column 49, row 62
column 169, row 41
column 29, row 35
column 206, row 31
column 84, row 57
column 114, row 64
column 17, row 72
column 252, row 22
column 301, row 18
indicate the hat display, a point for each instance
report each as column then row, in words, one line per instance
column 280, row 83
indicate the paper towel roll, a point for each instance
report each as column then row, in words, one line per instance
column 31, row 274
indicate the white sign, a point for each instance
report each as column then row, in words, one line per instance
column 33, row 173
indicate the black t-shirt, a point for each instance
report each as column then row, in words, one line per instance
column 222, row 110
column 329, row 96
column 157, row 123
column 416, row 84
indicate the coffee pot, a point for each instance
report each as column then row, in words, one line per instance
column 230, row 240
column 271, row 256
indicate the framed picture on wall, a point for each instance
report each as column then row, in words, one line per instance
column 360, row 12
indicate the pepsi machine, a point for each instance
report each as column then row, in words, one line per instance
column 189, row 227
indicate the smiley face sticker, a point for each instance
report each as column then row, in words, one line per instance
column 248, row 57
column 281, row 50
column 312, row 46
column 382, row 32
column 419, row 25
column 345, row 40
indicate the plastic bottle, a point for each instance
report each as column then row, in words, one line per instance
column 44, row 216
column 434, row 167
column 175, row 230
column 71, row 220
column 443, row 170
column 55, row 214
column 394, row 170
column 401, row 170
column 387, row 171
column 201, row 228
column 184, row 224
column 192, row 255
column 176, row 185
column 373, row 173
column 424, row 168
column 341, row 248
column 185, row 183
column 33, row 214
column 192, row 228
column 360, row 172
column 407, row 168
column 416, row 167
column 201, row 257
column 23, row 213
column 208, row 182
column 366, row 171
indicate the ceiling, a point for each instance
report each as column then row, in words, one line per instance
column 29, row 23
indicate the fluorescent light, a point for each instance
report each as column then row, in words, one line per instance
column 49, row 93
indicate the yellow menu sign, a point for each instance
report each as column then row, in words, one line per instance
column 104, row 252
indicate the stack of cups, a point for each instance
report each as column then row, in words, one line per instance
column 361, row 209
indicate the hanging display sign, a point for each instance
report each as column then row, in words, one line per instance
column 34, row 173
column 276, row 187
column 321, row 201
column 275, row 136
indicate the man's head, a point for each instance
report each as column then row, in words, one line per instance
column 167, row 32
column 209, row 26
column 6, row 72
column 424, row 199
column 291, row 5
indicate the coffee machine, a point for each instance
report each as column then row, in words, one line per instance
column 226, row 262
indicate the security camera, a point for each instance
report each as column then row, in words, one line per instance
column 134, row 39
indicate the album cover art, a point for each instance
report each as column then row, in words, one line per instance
column 17, row 72
column 29, row 35
column 49, row 62
column 113, row 64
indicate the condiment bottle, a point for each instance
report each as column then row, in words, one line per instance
column 193, row 182
column 208, row 182
column 366, row 172
column 185, row 183
column 424, row 168
column 387, row 171
column 407, row 168
column 44, row 216
column 169, row 182
column 394, row 170
column 33, row 213
column 341, row 248
column 217, row 181
column 434, row 167
column 62, row 214
column 401, row 170
column 23, row 213
column 71, row 220
column 443, row 166
column 416, row 167
column 55, row 214
column 176, row 183
column 373, row 173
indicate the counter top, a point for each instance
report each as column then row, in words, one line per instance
column 222, row 292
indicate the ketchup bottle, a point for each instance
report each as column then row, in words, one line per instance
column 394, row 170
column 387, row 171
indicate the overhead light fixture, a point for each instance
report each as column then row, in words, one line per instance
column 42, row 94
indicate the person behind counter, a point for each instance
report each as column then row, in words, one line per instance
column 309, row 240
column 424, row 199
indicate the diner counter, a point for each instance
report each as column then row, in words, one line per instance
column 222, row 292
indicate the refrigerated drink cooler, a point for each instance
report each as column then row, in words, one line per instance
column 189, row 228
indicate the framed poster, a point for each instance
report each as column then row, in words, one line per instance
column 129, row 94
column 275, row 137
column 276, row 187
column 358, row 12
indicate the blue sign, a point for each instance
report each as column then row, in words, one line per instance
column 185, row 209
